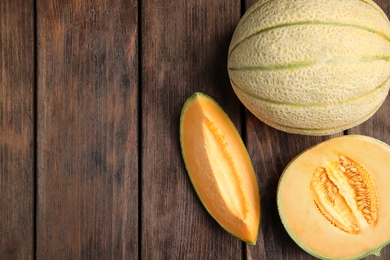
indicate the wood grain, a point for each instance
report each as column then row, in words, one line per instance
column 87, row 129
column 98, row 121
column 378, row 127
column 16, row 129
column 184, row 49
column 271, row 151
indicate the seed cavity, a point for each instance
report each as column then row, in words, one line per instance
column 347, row 208
column 331, row 203
column 364, row 188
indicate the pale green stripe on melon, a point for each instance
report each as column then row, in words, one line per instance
column 320, row 131
column 384, row 85
column 309, row 42
column 310, row 63
column 331, row 116
column 261, row 16
column 257, row 33
column 314, row 84
column 288, row 66
column 316, row 130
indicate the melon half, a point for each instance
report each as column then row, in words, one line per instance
column 312, row 67
column 334, row 198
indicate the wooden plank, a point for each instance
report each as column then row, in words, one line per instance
column 16, row 129
column 87, row 129
column 378, row 126
column 184, row 49
column 271, row 150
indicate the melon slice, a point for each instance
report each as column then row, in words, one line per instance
column 219, row 167
column 334, row 198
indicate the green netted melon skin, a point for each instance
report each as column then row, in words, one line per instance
column 311, row 67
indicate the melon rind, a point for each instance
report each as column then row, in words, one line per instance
column 311, row 67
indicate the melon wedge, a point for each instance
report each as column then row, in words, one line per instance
column 219, row 167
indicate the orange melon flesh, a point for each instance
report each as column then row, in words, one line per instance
column 219, row 167
column 307, row 218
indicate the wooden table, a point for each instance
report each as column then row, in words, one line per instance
column 90, row 162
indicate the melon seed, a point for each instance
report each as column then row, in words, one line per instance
column 367, row 211
column 357, row 198
column 368, row 217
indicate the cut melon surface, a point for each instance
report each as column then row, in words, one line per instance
column 334, row 198
column 219, row 167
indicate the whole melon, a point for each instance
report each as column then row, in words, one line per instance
column 313, row 67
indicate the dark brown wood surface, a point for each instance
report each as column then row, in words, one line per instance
column 87, row 138
column 186, row 52
column 17, row 129
column 90, row 163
